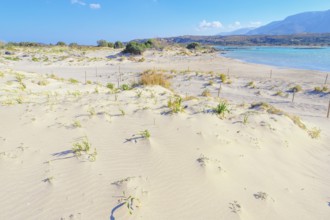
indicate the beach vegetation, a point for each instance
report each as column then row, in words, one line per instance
column 175, row 104
column 43, row 82
column 60, row 43
column 296, row 88
column 102, row 43
column 76, row 124
column 135, row 48
column 145, row 134
column 125, row 87
column 223, row 78
column 193, row 46
column 118, row 45
column 321, row 89
column 130, row 203
column 73, row 81
column 314, row 133
column 110, row 86
column 251, row 85
column 206, row 93
column 84, row 147
column 221, row 109
column 153, row 77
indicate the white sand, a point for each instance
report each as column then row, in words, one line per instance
column 195, row 165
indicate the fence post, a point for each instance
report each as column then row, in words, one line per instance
column 271, row 73
column 326, row 79
column 219, row 90
column 328, row 110
column 294, row 93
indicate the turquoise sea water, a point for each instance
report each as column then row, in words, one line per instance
column 290, row 57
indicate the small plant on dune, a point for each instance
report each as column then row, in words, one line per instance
column 221, row 109
column 261, row 195
column 223, row 78
column 84, row 147
column 125, row 87
column 35, row 59
column 80, row 147
column 19, row 77
column 122, row 112
column 88, row 82
column 110, row 86
column 91, row 111
column 314, row 133
column 175, row 105
column 76, row 124
column 211, row 82
column 43, row 82
column 130, row 202
column 152, row 77
column 319, row 89
column 251, row 85
column 206, row 93
column 145, row 134
column 73, row 81
column 49, row 179
column 245, row 119
column 2, row 74
column 96, row 90
column 139, row 94
column 141, row 60
column 296, row 88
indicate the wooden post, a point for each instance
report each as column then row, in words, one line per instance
column 96, row 72
column 271, row 73
column 294, row 92
column 328, row 110
column 219, row 90
column 326, row 79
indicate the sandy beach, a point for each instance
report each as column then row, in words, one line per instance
column 80, row 138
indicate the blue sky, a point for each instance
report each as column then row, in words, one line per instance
column 86, row 21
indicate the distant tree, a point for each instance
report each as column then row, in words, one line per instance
column 111, row 45
column 73, row 45
column 102, row 43
column 149, row 43
column 135, row 48
column 193, row 46
column 118, row 45
column 61, row 43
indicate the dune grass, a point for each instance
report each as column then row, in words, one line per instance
column 153, row 77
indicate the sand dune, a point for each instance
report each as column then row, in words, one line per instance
column 257, row 161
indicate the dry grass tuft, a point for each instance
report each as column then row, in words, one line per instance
column 153, row 77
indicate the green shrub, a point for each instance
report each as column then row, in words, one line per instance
column 111, row 45
column 296, row 88
column 125, row 87
column 118, row 45
column 175, row 105
column 193, row 46
column 73, row 81
column 102, row 43
column 61, row 43
column 110, row 86
column 221, row 109
column 135, row 48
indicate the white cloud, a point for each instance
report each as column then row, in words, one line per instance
column 78, row 2
column 95, row 6
column 208, row 25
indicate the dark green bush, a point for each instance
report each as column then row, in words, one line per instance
column 118, row 45
column 61, row 43
column 135, row 48
column 102, row 43
column 193, row 46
